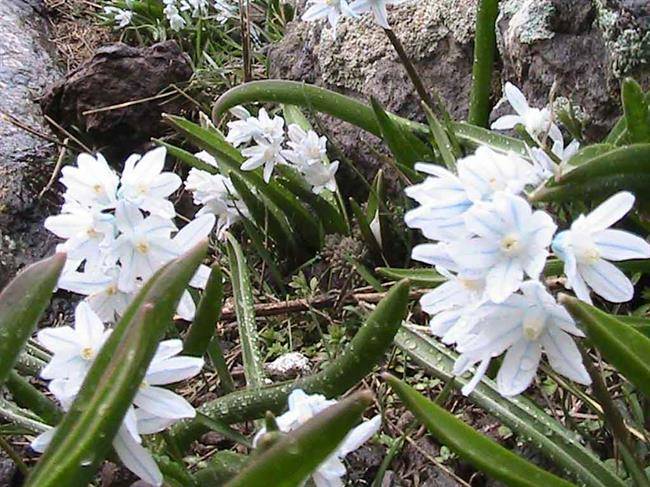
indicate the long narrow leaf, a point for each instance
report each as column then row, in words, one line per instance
column 293, row 458
column 349, row 110
column 522, row 416
column 21, row 304
column 637, row 115
column 245, row 309
column 622, row 345
column 484, row 453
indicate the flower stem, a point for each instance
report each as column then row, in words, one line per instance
column 485, row 44
column 614, row 419
column 413, row 74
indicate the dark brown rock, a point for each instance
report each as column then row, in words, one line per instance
column 119, row 74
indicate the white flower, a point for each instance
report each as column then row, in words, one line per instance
column 92, row 183
column 511, row 240
column 266, row 153
column 321, row 176
column 443, row 201
column 87, row 232
column 198, row 7
column 247, row 128
column 445, row 197
column 176, row 22
column 590, row 244
column 166, row 368
column 538, row 123
column 305, row 147
column 327, row 9
column 218, row 196
column 303, row 407
column 73, row 349
column 102, row 291
column 377, row 7
column 144, row 245
column 145, row 185
column 525, row 325
column 485, row 172
column 546, row 167
column 121, row 17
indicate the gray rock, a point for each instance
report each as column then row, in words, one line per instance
column 585, row 46
column 26, row 160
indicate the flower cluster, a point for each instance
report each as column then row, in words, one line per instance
column 493, row 247
column 332, row 10
column 178, row 13
column 154, row 408
column 118, row 231
column 215, row 194
column 264, row 141
column 303, row 407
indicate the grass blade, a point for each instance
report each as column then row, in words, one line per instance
column 484, row 453
column 245, row 310
column 22, row 303
column 521, row 415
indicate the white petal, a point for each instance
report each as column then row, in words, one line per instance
column 606, row 280
column 163, row 403
column 174, row 369
column 503, row 280
column 136, row 458
column 186, row 308
column 563, row 355
column 519, row 367
column 168, row 348
column 610, row 211
column 59, row 340
column 359, row 435
column 433, row 254
column 88, row 326
column 506, row 122
column 42, row 441
column 621, row 245
column 516, row 98
column 149, row 424
column 476, row 378
column 195, row 231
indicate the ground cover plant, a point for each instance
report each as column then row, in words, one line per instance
column 505, row 278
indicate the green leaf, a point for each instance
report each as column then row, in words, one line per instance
column 245, row 310
column 587, row 153
column 639, row 323
column 441, row 139
column 532, row 425
column 83, row 439
column 200, row 338
column 290, row 461
column 482, row 452
column 358, row 359
column 625, row 168
column 350, row 110
column 637, row 115
column 22, row 303
column 224, row 465
column 420, row 277
column 406, row 148
column 623, row 346
column 27, row 396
